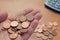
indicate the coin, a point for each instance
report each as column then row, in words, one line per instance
column 36, row 30
column 19, row 37
column 50, row 30
column 14, row 29
column 45, row 28
column 44, row 37
column 24, row 30
column 14, row 23
column 10, row 30
column 38, row 35
column 40, row 28
column 13, row 36
column 29, row 17
column 55, row 23
column 49, row 24
column 49, row 39
column 50, row 36
column 25, row 24
column 22, row 18
column 19, row 32
column 46, row 33
column 19, row 26
column 6, row 24
column 54, row 28
column 17, row 19
column 54, row 33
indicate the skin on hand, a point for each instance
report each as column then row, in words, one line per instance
column 3, row 16
column 37, row 15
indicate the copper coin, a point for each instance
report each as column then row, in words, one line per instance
column 19, row 37
column 10, row 30
column 40, row 30
column 49, row 25
column 14, row 29
column 25, row 24
column 14, row 23
column 50, row 36
column 50, row 30
column 6, row 24
column 19, row 26
column 18, row 20
column 38, row 35
column 44, row 37
column 19, row 32
column 29, row 17
column 22, row 18
column 13, row 36
column 55, row 23
column 46, row 33
column 45, row 28
column 54, row 33
column 23, row 30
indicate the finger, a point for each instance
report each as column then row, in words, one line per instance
column 24, row 12
column 3, row 16
column 38, row 16
column 34, row 12
column 32, row 26
column 1, row 36
column 30, row 30
column 6, row 35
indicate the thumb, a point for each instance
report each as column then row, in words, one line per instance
column 3, row 16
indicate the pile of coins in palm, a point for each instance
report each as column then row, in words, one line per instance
column 17, row 27
column 46, row 31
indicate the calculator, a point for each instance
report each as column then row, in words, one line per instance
column 53, row 4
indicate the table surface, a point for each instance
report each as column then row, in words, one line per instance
column 15, row 6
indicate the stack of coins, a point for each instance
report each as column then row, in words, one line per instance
column 17, row 27
column 46, row 31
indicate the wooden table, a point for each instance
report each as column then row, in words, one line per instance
column 14, row 6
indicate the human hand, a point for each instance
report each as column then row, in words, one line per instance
column 34, row 23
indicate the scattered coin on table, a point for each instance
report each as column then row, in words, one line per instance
column 44, row 37
column 54, row 33
column 46, row 31
column 38, row 35
column 55, row 23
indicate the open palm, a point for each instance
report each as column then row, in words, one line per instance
column 34, row 23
